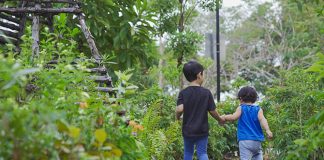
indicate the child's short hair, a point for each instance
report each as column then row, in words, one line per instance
column 247, row 94
column 191, row 69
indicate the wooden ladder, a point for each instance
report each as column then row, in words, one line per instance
column 13, row 21
column 40, row 8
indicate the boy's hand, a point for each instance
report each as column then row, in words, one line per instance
column 269, row 134
column 222, row 120
column 223, row 117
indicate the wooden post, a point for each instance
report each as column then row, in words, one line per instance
column 50, row 18
column 21, row 27
column 35, row 34
column 89, row 38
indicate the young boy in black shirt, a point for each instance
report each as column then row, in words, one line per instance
column 195, row 102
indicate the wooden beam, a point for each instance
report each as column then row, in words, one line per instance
column 102, row 79
column 5, row 40
column 50, row 18
column 106, row 89
column 53, row 62
column 9, row 33
column 94, row 51
column 9, row 25
column 101, row 70
column 50, row 1
column 9, row 18
column 35, row 34
column 40, row 10
column 22, row 24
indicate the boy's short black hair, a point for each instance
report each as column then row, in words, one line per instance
column 191, row 69
column 247, row 94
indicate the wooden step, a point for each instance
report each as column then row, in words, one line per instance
column 101, row 70
column 9, row 25
column 106, row 89
column 102, row 79
column 52, row 62
column 9, row 33
column 5, row 40
column 121, row 113
column 9, row 18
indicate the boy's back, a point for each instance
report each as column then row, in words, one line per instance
column 194, row 102
column 197, row 101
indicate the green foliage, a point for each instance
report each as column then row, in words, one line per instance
column 123, row 30
column 318, row 66
column 295, row 97
column 222, row 140
column 167, row 17
column 186, row 43
column 160, row 126
column 50, row 113
column 171, row 73
column 211, row 5
column 311, row 147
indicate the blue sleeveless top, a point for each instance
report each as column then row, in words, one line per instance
column 249, row 127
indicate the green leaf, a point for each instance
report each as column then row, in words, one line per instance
column 110, row 2
column 301, row 142
column 62, row 126
column 100, row 135
column 74, row 132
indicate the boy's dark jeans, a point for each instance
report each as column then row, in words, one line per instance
column 201, row 147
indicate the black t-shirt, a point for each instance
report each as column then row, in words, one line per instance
column 197, row 101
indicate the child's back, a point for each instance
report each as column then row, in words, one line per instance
column 249, row 127
column 194, row 103
column 197, row 101
column 249, row 131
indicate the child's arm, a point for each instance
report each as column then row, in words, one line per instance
column 216, row 116
column 264, row 123
column 179, row 111
column 232, row 117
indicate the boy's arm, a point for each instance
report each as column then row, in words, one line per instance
column 232, row 117
column 264, row 123
column 179, row 111
column 215, row 115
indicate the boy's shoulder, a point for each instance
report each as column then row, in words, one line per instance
column 197, row 88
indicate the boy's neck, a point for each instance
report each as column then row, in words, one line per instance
column 194, row 83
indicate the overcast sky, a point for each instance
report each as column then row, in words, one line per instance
column 231, row 3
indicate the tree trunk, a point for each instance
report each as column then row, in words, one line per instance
column 161, row 62
column 181, row 29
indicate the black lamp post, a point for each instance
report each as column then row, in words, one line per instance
column 217, row 53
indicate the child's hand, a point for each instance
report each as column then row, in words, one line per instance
column 222, row 120
column 269, row 134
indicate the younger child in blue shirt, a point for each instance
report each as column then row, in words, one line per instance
column 249, row 131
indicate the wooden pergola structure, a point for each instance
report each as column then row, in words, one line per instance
column 13, row 21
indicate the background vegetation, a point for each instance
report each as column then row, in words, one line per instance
column 56, row 113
